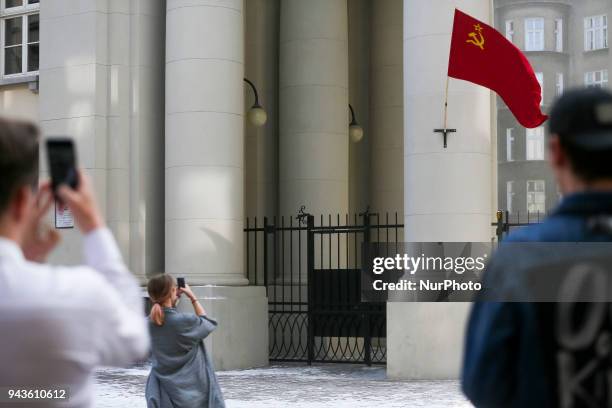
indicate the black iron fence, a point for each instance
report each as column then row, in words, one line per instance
column 311, row 268
column 504, row 221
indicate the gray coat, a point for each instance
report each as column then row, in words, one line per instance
column 182, row 375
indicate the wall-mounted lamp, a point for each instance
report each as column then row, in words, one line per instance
column 256, row 115
column 355, row 130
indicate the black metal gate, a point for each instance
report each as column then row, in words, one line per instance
column 504, row 221
column 311, row 268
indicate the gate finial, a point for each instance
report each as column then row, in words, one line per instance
column 302, row 215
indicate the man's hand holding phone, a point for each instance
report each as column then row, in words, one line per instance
column 71, row 185
column 40, row 239
column 82, row 203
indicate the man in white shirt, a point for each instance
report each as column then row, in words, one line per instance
column 58, row 323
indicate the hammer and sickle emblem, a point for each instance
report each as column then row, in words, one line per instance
column 476, row 37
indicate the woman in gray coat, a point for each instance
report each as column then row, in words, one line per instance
column 182, row 375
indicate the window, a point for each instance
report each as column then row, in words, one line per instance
column 509, row 195
column 535, row 144
column 534, row 34
column 596, row 79
column 559, row 35
column 19, row 34
column 509, row 144
column 510, row 30
column 595, row 33
column 536, row 196
column 540, row 77
column 560, row 84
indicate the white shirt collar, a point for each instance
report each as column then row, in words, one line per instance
column 10, row 249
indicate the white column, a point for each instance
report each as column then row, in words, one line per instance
column 147, row 20
column 204, row 141
column 101, row 87
column 205, row 174
column 387, row 108
column 74, row 99
column 313, row 106
column 447, row 191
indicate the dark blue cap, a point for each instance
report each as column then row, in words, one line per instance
column 583, row 118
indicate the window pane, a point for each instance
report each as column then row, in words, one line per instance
column 14, row 3
column 12, row 31
column 33, row 28
column 12, row 60
column 32, row 57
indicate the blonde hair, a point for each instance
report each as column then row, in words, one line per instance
column 160, row 290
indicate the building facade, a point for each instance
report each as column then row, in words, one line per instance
column 567, row 45
column 153, row 92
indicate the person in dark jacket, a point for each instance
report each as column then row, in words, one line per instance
column 182, row 375
column 514, row 353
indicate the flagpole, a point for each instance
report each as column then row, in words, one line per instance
column 445, row 131
column 446, row 102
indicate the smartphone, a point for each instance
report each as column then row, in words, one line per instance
column 180, row 282
column 62, row 162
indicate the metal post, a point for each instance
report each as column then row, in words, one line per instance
column 310, row 272
column 366, row 315
column 248, row 250
column 499, row 231
column 265, row 250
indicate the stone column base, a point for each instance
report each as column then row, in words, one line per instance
column 241, row 339
column 425, row 340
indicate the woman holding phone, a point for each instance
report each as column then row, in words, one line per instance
column 182, row 375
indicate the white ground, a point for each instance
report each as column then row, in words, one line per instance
column 294, row 386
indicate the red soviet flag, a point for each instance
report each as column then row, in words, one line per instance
column 482, row 55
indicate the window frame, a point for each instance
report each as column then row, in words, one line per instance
column 559, row 83
column 510, row 30
column 559, row 35
column 540, row 78
column 25, row 8
column 541, row 193
column 535, row 139
column 540, row 34
column 590, row 27
column 24, row 12
column 510, row 193
column 603, row 79
column 510, row 140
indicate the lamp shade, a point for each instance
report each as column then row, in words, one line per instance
column 257, row 116
column 355, row 133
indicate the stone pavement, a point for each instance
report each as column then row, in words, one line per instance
column 295, row 386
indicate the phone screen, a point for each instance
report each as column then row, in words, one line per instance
column 62, row 162
column 180, row 282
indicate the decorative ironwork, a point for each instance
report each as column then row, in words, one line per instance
column 312, row 275
column 311, row 271
column 302, row 215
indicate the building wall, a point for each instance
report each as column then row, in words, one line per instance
column 387, row 109
column 359, row 38
column 314, row 99
column 261, row 144
column 18, row 101
column 573, row 61
column 101, row 82
column 447, row 192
